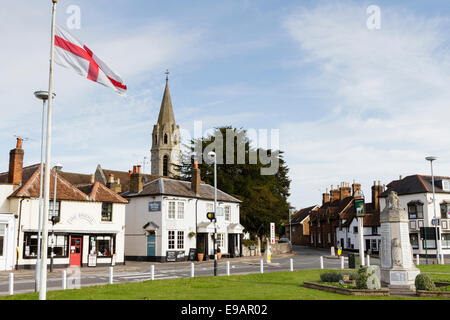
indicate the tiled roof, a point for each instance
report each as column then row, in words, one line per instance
column 65, row 190
column 76, row 178
column 414, row 184
column 166, row 186
column 301, row 214
column 100, row 193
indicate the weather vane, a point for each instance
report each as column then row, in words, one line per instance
column 167, row 74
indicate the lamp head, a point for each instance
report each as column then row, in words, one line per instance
column 431, row 158
column 43, row 95
column 58, row 167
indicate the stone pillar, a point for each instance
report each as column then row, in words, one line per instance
column 397, row 266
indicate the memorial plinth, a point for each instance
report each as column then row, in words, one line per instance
column 397, row 267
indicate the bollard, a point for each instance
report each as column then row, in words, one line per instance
column 332, row 251
column 11, row 283
column 64, row 279
column 152, row 272
column 192, row 269
column 111, row 275
column 321, row 262
column 292, row 264
column 342, row 262
column 261, row 266
column 417, row 259
column 228, row 268
column 368, row 261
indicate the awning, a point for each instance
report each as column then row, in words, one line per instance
column 235, row 228
column 150, row 226
column 205, row 227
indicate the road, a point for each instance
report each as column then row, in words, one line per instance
column 303, row 258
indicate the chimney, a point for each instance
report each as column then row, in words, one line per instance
column 325, row 197
column 16, row 164
column 377, row 189
column 356, row 187
column 344, row 191
column 335, row 194
column 92, row 178
column 136, row 180
column 195, row 182
column 113, row 184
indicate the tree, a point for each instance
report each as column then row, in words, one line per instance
column 239, row 173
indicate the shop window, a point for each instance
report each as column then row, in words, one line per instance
column 171, row 238
column 415, row 210
column 180, row 211
column 445, row 240
column 107, row 211
column 56, row 211
column 414, row 240
column 227, row 213
column 103, row 246
column 430, row 244
column 180, row 240
column 59, row 248
column 171, row 210
column 445, row 210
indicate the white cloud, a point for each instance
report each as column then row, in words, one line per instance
column 388, row 97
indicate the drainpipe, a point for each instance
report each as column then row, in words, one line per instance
column 18, row 233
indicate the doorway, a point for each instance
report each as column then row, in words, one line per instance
column 75, row 251
column 151, row 244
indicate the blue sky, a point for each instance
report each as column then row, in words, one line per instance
column 349, row 102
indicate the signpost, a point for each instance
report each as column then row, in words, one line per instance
column 360, row 212
column 272, row 233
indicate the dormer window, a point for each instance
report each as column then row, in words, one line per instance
column 446, row 185
column 415, row 210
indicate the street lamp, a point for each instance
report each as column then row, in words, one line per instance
column 435, row 222
column 212, row 155
column 54, row 219
column 41, row 95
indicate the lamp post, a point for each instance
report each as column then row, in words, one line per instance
column 54, row 219
column 212, row 155
column 41, row 95
column 437, row 230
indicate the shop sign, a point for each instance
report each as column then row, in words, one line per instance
column 92, row 260
column 154, row 206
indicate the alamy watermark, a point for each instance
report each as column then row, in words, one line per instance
column 74, row 19
column 373, row 21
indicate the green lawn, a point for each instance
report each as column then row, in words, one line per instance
column 268, row 286
column 437, row 272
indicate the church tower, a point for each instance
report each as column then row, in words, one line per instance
column 166, row 151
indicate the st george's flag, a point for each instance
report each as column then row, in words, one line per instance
column 73, row 54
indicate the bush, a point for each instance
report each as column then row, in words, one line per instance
column 423, row 282
column 331, row 276
column 361, row 279
column 352, row 275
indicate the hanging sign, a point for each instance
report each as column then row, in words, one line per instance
column 359, row 207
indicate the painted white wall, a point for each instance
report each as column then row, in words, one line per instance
column 137, row 215
column 428, row 213
column 349, row 233
column 5, row 191
column 81, row 217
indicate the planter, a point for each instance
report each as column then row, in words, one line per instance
column 345, row 291
column 219, row 255
column 436, row 294
column 200, row 256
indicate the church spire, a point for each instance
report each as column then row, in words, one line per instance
column 166, row 115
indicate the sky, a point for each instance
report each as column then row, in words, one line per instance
column 349, row 102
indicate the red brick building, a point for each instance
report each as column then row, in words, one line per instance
column 298, row 227
column 337, row 211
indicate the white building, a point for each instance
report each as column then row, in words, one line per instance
column 91, row 219
column 165, row 218
column 347, row 233
column 416, row 197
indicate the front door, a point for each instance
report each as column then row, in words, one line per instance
column 151, row 245
column 75, row 251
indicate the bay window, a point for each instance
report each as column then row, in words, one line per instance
column 102, row 245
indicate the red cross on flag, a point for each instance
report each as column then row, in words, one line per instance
column 73, row 54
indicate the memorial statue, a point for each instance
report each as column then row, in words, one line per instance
column 396, row 250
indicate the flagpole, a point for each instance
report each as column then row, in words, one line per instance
column 44, row 251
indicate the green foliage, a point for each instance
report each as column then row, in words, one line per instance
column 361, row 279
column 264, row 197
column 330, row 276
column 352, row 275
column 248, row 243
column 423, row 282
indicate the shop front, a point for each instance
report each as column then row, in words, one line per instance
column 7, row 228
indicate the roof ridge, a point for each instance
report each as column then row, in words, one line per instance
column 27, row 184
column 423, row 183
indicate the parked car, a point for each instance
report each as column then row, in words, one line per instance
column 284, row 240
